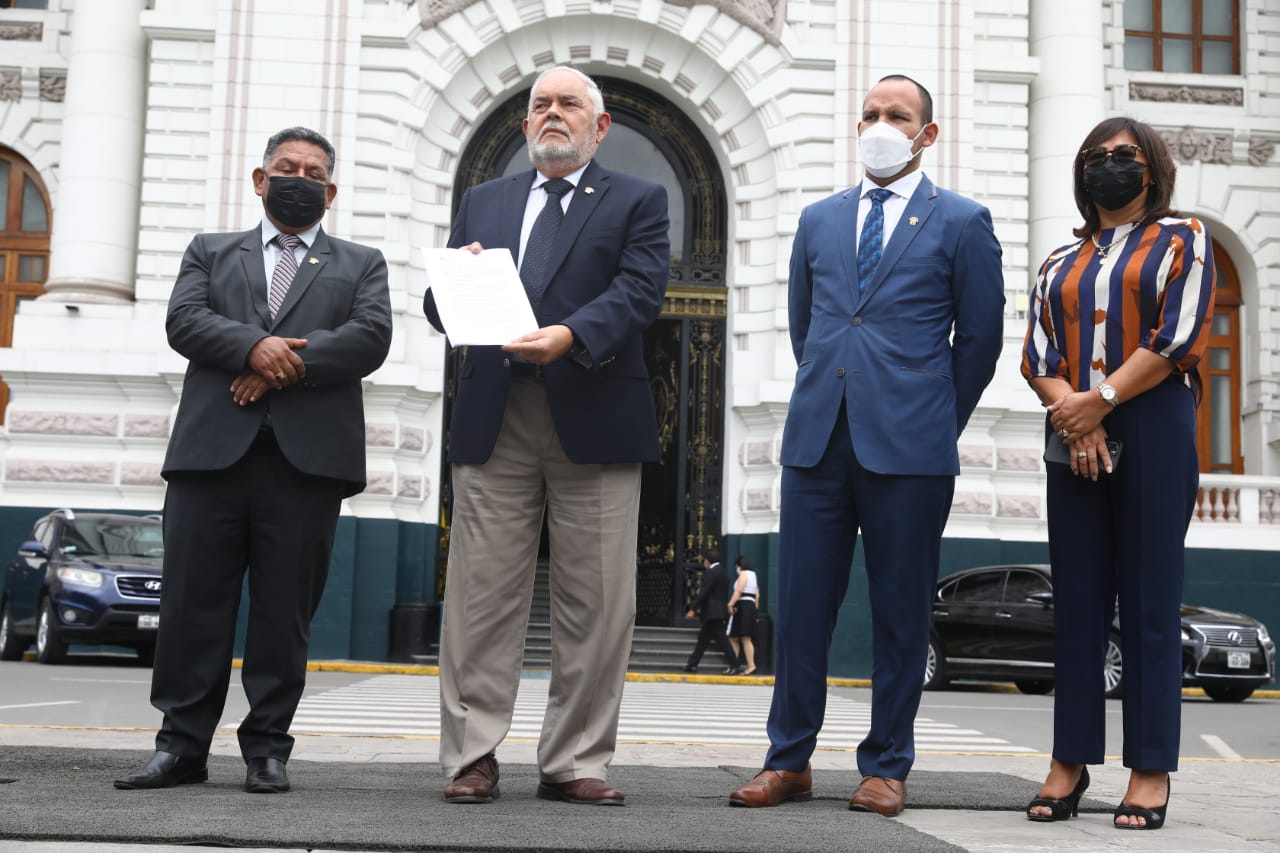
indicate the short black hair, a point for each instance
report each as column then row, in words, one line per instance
column 926, row 100
column 711, row 555
column 299, row 134
column 1160, row 164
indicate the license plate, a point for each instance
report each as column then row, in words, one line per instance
column 1239, row 660
column 151, row 621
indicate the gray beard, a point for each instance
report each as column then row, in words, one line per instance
column 570, row 155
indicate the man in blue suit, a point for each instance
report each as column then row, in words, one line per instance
column 895, row 337
column 557, row 422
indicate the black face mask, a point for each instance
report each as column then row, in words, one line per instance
column 295, row 202
column 1112, row 185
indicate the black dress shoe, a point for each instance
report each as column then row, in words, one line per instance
column 266, row 776
column 164, row 770
column 690, row 668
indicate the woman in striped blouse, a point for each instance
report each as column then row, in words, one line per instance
column 1117, row 322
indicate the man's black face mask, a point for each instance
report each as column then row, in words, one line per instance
column 295, row 202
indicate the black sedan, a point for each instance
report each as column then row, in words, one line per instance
column 995, row 623
column 83, row 578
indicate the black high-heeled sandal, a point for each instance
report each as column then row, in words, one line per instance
column 1154, row 817
column 1061, row 809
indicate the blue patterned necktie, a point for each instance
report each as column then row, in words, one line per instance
column 286, row 268
column 537, row 251
column 871, row 243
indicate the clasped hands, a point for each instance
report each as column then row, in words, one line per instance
column 1077, row 418
column 273, row 365
column 548, row 344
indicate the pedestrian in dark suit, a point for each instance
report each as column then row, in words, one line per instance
column 556, row 422
column 268, row 440
column 712, row 604
column 895, row 338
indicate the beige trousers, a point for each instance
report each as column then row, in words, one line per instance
column 592, row 516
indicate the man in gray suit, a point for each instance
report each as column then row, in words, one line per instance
column 280, row 324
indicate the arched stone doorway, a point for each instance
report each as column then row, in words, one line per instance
column 685, row 349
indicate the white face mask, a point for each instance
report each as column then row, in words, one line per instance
column 885, row 150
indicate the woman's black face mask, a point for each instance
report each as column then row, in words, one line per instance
column 1113, row 183
column 295, row 202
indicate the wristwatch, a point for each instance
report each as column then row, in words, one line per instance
column 1109, row 394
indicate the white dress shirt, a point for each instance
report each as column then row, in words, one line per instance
column 538, row 200
column 894, row 205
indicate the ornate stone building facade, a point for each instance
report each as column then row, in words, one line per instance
column 140, row 120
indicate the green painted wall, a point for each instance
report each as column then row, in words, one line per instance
column 380, row 563
column 1241, row 581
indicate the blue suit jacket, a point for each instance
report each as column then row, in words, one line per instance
column 912, row 350
column 608, row 276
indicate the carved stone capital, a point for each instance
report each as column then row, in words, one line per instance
column 1260, row 150
column 1191, row 145
column 53, row 84
column 10, row 84
column 1226, row 96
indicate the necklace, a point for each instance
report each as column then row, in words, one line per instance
column 1117, row 239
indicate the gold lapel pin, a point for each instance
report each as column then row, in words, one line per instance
column 589, row 190
column 314, row 261
column 915, row 220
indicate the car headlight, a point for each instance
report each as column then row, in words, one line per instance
column 1263, row 636
column 1186, row 633
column 80, row 577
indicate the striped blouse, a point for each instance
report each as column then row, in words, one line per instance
column 1154, row 289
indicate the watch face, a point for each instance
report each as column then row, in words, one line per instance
column 1108, row 393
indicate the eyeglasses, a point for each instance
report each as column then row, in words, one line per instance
column 1121, row 154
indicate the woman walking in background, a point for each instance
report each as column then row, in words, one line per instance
column 743, row 606
column 1118, row 320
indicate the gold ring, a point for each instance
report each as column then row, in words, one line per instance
column 1082, row 454
column 280, row 376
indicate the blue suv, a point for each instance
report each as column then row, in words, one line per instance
column 91, row 578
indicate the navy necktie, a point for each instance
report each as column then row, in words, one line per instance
column 871, row 243
column 537, row 252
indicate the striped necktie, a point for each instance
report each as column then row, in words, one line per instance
column 286, row 269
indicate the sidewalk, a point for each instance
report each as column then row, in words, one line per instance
column 383, row 793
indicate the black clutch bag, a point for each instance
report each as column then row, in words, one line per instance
column 1055, row 450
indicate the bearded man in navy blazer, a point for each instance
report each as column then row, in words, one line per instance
column 280, row 324
column 556, row 422
column 895, row 338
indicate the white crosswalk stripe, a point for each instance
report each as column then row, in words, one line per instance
column 652, row 712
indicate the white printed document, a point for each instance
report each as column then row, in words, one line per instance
column 480, row 297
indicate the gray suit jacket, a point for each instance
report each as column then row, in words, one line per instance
column 218, row 310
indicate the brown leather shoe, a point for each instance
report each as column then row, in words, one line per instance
column 477, row 783
column 771, row 787
column 881, row 795
column 583, row 792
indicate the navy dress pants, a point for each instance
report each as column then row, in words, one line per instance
column 1120, row 539
column 901, row 519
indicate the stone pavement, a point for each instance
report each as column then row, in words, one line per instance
column 383, row 793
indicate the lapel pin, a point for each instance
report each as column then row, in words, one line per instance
column 915, row 220
column 314, row 261
column 589, row 190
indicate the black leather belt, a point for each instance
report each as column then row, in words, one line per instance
column 526, row 370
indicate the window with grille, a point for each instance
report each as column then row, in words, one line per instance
column 1185, row 36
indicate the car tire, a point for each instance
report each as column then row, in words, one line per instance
column 11, row 645
column 935, row 668
column 1113, row 668
column 1227, row 692
column 49, row 646
column 1033, row 687
column 146, row 655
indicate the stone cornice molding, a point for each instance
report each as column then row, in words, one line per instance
column 1224, row 96
column 764, row 17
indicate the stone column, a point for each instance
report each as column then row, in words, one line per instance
column 94, row 245
column 1067, row 100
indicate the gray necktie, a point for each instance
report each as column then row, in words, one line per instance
column 286, row 269
column 537, row 251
